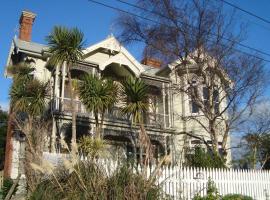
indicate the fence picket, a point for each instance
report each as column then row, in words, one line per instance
column 183, row 182
column 1, row 179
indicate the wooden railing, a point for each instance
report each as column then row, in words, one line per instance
column 151, row 119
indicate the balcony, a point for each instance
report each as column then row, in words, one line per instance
column 156, row 120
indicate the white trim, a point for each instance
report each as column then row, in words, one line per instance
column 9, row 57
column 122, row 55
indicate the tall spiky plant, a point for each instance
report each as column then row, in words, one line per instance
column 27, row 94
column 28, row 102
column 98, row 95
column 135, row 93
column 21, row 72
column 66, row 47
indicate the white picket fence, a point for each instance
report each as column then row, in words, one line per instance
column 184, row 183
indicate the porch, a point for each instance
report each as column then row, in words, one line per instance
column 151, row 119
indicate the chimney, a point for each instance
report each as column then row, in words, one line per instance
column 26, row 23
column 152, row 62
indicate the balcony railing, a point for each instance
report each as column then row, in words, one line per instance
column 150, row 119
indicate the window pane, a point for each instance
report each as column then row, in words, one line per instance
column 205, row 93
column 217, row 108
column 215, row 96
column 194, row 107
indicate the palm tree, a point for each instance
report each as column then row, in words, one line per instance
column 28, row 102
column 28, row 95
column 98, row 95
column 21, row 72
column 136, row 99
column 66, row 47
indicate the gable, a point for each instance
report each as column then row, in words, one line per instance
column 110, row 51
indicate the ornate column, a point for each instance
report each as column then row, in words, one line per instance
column 56, row 87
column 56, row 104
column 169, row 104
column 164, row 104
column 63, row 84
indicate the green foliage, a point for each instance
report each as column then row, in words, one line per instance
column 212, row 192
column 6, row 187
column 257, row 151
column 98, row 94
column 29, row 97
column 65, row 45
column 202, row 158
column 236, row 197
column 135, row 92
column 125, row 184
column 21, row 72
column 91, row 147
column 88, row 180
column 3, row 133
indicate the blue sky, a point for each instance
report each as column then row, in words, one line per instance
column 97, row 23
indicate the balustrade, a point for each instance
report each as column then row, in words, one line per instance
column 150, row 119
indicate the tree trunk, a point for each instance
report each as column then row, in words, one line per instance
column 214, row 138
column 73, row 139
column 101, row 124
column 225, row 138
column 254, row 160
column 145, row 144
column 9, row 147
column 97, row 125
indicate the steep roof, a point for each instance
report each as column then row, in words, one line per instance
column 29, row 46
column 120, row 54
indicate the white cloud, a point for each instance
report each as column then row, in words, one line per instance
column 262, row 106
column 4, row 105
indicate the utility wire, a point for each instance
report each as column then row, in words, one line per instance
column 246, row 11
column 213, row 34
column 151, row 20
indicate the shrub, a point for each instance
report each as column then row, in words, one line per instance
column 125, row 184
column 6, row 187
column 236, row 197
column 88, row 180
column 91, row 147
column 202, row 158
column 212, row 192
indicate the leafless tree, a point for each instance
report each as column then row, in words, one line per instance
column 203, row 41
column 257, row 137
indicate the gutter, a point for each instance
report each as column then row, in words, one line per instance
column 156, row 78
column 9, row 57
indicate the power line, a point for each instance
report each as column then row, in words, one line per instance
column 151, row 20
column 246, row 11
column 213, row 34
